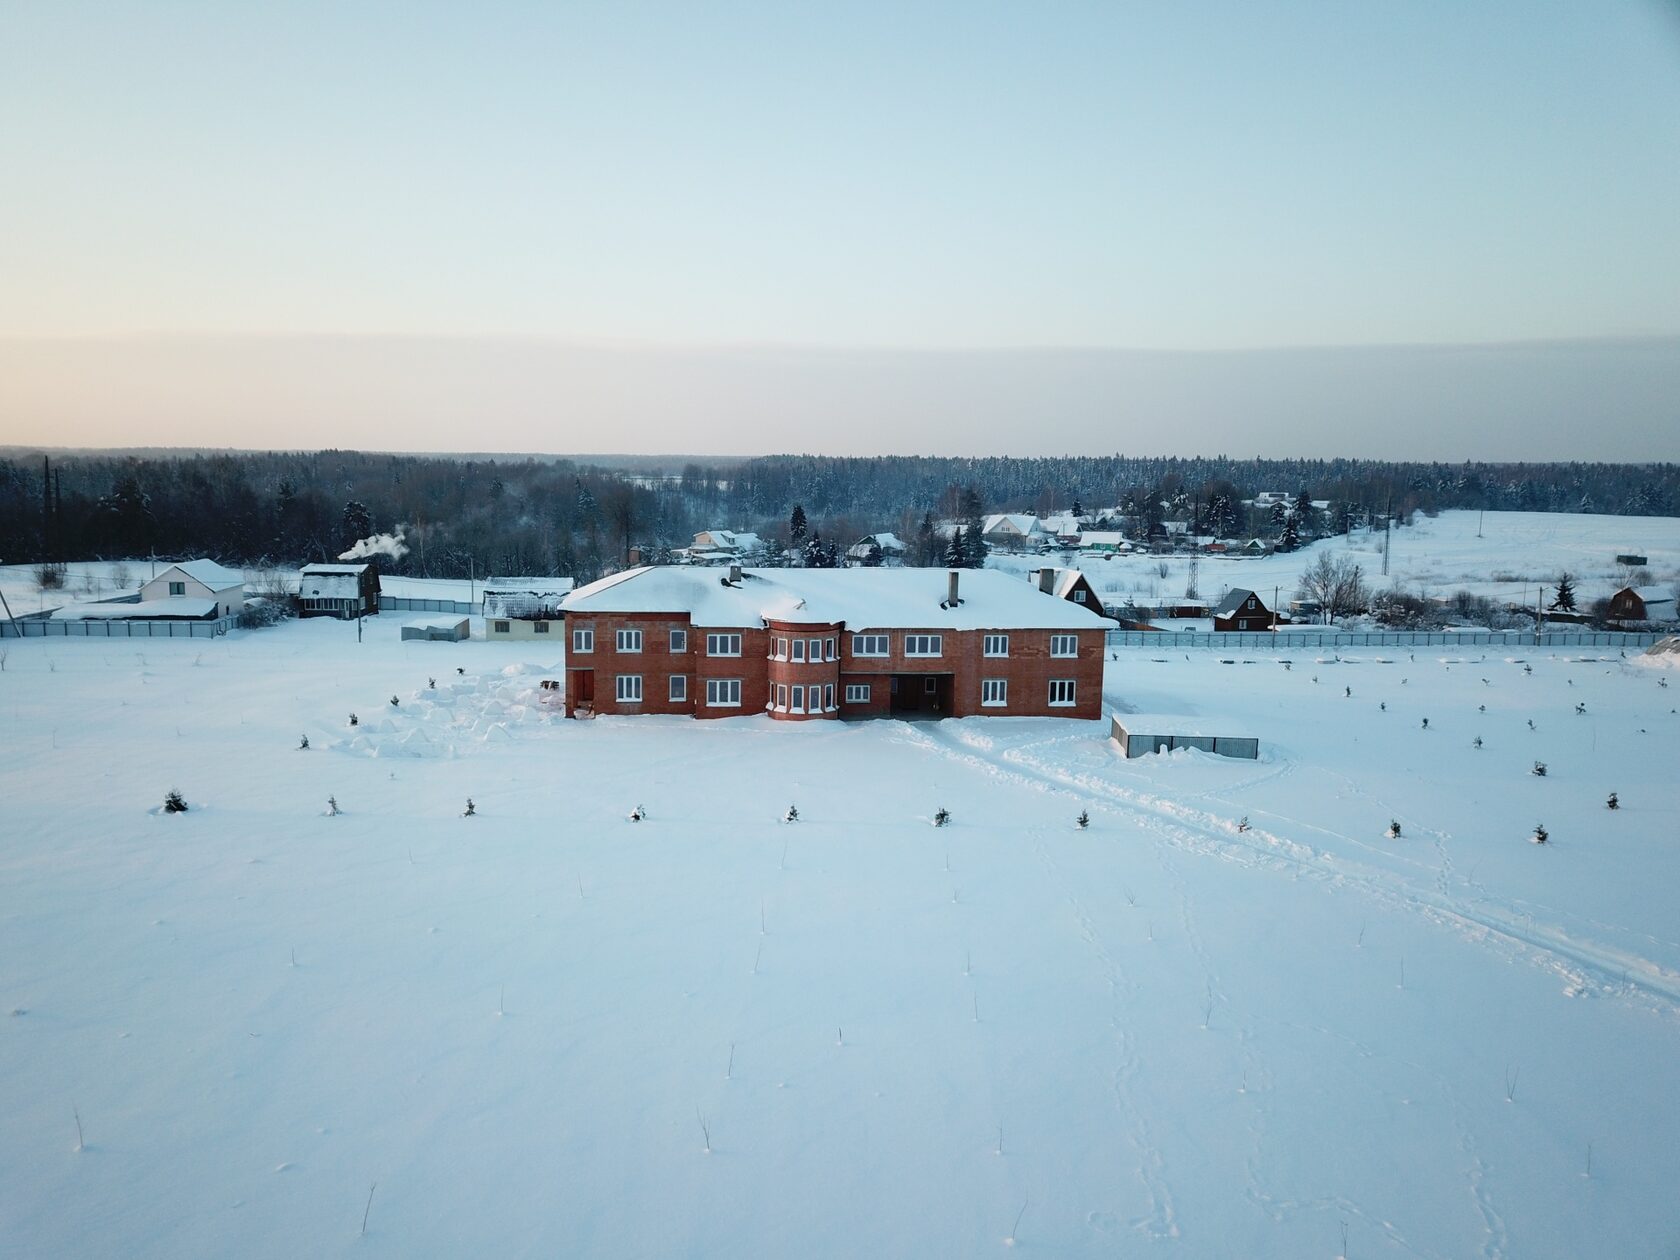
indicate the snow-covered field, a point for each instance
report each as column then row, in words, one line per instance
column 1500, row 555
column 546, row 1030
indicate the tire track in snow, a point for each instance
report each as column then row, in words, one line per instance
column 1586, row 966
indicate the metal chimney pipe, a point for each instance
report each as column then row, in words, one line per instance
column 1047, row 580
column 734, row 573
column 951, row 589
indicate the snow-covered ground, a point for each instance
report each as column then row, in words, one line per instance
column 1501, row 555
column 1164, row 1034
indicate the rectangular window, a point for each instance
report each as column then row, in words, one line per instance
column 798, row 698
column 930, row 686
column 816, row 649
column 828, row 649
column 1079, row 596
column 1251, row 601
column 679, row 688
column 924, row 645
column 857, row 693
column 540, row 627
column 723, row 693
column 724, row 645
column 1242, row 623
column 501, row 627
column 994, row 691
column 177, row 588
column 629, row 640
column 1064, row 645
column 1061, row 692
column 799, row 649
column 629, row 688
column 679, row 640
column 781, row 695
column 583, row 638
column 869, row 645
column 995, row 645
column 778, row 649
column 828, row 695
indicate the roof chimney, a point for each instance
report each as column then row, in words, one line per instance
column 1047, row 580
column 734, row 574
column 951, row 600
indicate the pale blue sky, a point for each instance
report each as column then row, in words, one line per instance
column 1184, row 176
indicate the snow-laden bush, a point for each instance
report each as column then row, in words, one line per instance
column 174, row 802
column 260, row 612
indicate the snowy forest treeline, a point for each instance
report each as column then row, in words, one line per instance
column 531, row 515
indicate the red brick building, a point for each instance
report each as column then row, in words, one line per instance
column 814, row 644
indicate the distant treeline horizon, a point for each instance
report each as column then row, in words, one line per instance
column 581, row 515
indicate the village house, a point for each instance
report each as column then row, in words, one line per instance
column 891, row 548
column 1243, row 610
column 341, row 590
column 211, row 589
column 1013, row 531
column 1642, row 603
column 1068, row 584
column 812, row 644
column 723, row 546
column 524, row 607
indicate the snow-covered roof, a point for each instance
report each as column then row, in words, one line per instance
column 528, row 585
column 1101, row 538
column 1649, row 595
column 1174, row 724
column 1011, row 523
column 320, row 581
column 1062, row 583
column 1061, row 524
column 728, row 540
column 1233, row 600
column 214, row 576
column 861, row 598
column 173, row 608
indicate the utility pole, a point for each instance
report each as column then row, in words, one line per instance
column 1388, row 528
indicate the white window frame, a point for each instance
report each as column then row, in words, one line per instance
column 722, row 644
column 930, row 685
column 1079, row 595
column 1064, row 646
column 799, row 649
column 828, row 649
column 583, row 638
column 778, row 649
column 627, row 688
column 781, row 697
column 996, row 645
column 828, row 697
column 798, row 698
column 678, row 693
column 857, row 693
column 723, row 693
column 1066, row 687
column 628, row 641
column 871, row 645
column 924, row 645
column 177, row 588
column 813, row 650
column 679, row 639
column 994, row 693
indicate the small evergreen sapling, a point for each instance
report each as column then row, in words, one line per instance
column 637, row 814
column 332, row 807
column 303, row 744
column 1580, row 710
column 1084, row 819
column 431, row 684
column 471, row 810
column 1540, row 835
column 1477, row 742
column 354, row 720
column 174, row 802
column 1393, row 832
column 1612, row 802
column 1426, row 724
column 941, row 818
column 792, row 815
column 1539, row 769
column 395, row 702
column 1242, row 824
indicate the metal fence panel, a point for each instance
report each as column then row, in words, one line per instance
column 1267, row 641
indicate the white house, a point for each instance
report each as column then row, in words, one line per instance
column 523, row 607
column 720, row 546
column 1014, row 531
column 199, row 581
